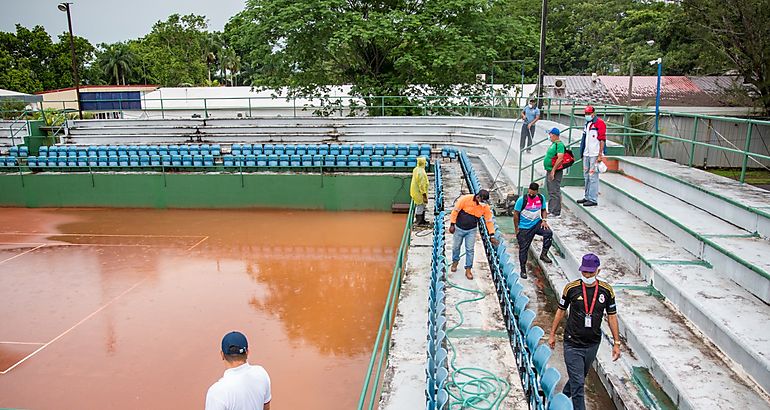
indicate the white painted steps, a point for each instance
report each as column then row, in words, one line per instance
column 731, row 250
column 688, row 367
column 742, row 204
column 725, row 312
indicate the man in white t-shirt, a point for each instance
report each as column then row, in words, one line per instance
column 243, row 386
column 592, row 148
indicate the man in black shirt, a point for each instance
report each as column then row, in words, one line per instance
column 587, row 299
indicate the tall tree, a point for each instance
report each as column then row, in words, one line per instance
column 116, row 61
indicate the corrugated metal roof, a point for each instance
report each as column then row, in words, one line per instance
column 580, row 87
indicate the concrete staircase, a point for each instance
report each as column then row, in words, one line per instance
column 687, row 254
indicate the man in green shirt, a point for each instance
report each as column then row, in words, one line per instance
column 554, row 172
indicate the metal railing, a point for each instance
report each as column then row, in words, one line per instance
column 380, row 350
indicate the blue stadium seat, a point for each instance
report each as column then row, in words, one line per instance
column 247, row 149
column 174, row 150
column 92, row 151
column 93, row 161
column 143, row 150
column 262, row 160
column 376, row 160
column 195, row 149
column 184, row 150
column 402, row 149
column 268, row 149
column 82, row 153
column 250, row 160
column 228, row 160
column 236, row 149
column 272, row 160
column 205, row 149
column 155, row 160
column 344, row 150
column 197, row 160
column 291, row 149
column 353, row 160
column 122, row 151
column 102, row 161
column 113, row 161
column 388, row 161
column 312, row 149
column 43, row 151
column 279, row 149
column 525, row 321
column 153, row 150
column 101, row 151
column 62, row 153
column 318, row 160
column 163, row 150
column 216, row 150
column 307, row 160
column 323, row 149
column 133, row 151
column 414, row 149
column 295, row 160
column 540, row 358
column 342, row 160
column 166, row 160
column 549, row 378
column 123, row 161
column 365, row 160
column 390, row 149
column 72, row 152
column 425, row 150
column 176, row 160
column 144, row 160
column 400, row 161
column 301, row 149
column 32, row 162
column 369, row 149
column 283, row 159
column 208, row 160
column 379, row 149
column 560, row 402
column 411, row 161
column 133, row 161
column 187, row 160
column 519, row 304
column 330, row 160
column 334, row 149
column 357, row 149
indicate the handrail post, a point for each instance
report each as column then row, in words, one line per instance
column 694, row 136
column 746, row 152
column 249, row 106
column 468, row 113
column 382, row 105
column 162, row 111
column 205, row 109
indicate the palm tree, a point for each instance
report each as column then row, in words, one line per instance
column 230, row 62
column 116, row 61
column 212, row 44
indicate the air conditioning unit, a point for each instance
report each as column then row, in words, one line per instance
column 481, row 78
column 560, row 83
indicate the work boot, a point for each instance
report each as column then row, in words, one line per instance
column 454, row 266
column 523, row 273
column 468, row 273
column 544, row 257
column 580, row 201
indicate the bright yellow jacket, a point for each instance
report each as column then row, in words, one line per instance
column 419, row 185
column 469, row 211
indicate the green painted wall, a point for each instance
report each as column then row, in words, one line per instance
column 299, row 191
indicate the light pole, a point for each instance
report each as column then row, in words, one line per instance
column 659, row 62
column 541, row 60
column 66, row 8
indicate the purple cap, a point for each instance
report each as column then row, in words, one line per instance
column 234, row 343
column 590, row 263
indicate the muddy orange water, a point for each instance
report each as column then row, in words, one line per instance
column 125, row 309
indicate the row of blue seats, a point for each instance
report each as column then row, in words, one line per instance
column 6, row 161
column 319, row 160
column 75, row 151
column 332, row 149
column 436, row 369
column 18, row 151
column 438, row 203
column 538, row 379
column 132, row 161
column 449, row 152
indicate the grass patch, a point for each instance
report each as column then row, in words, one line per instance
column 753, row 176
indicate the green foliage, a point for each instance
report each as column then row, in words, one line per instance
column 117, row 61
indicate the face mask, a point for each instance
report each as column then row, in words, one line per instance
column 588, row 281
column 589, row 117
column 531, row 105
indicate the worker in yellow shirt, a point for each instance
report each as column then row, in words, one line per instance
column 464, row 223
column 418, row 190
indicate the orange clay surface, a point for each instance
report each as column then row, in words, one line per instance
column 125, row 309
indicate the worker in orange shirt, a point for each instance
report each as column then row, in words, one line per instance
column 464, row 223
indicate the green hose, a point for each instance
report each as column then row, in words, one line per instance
column 480, row 388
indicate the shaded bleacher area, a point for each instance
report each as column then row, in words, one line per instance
column 202, row 157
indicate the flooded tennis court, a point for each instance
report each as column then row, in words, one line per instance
column 125, row 309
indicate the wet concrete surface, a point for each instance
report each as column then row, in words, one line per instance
column 126, row 308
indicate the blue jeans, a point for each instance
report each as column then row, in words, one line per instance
column 591, row 181
column 578, row 361
column 469, row 237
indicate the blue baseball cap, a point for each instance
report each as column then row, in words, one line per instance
column 590, row 263
column 234, row 343
column 554, row 131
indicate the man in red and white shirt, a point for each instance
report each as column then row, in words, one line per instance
column 592, row 148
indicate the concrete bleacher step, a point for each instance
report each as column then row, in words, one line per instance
column 691, row 371
column 697, row 290
column 742, row 204
column 732, row 251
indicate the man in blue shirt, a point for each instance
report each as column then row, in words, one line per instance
column 529, row 215
column 530, row 115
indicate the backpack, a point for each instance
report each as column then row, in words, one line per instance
column 567, row 160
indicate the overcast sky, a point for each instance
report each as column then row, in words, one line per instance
column 108, row 21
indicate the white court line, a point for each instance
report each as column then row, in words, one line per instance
column 198, row 243
column 99, row 234
column 22, row 343
column 22, row 254
column 38, row 350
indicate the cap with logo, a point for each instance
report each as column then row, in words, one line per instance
column 589, row 109
column 234, row 343
column 554, row 131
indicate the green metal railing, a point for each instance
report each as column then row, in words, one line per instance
column 381, row 349
column 537, row 160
